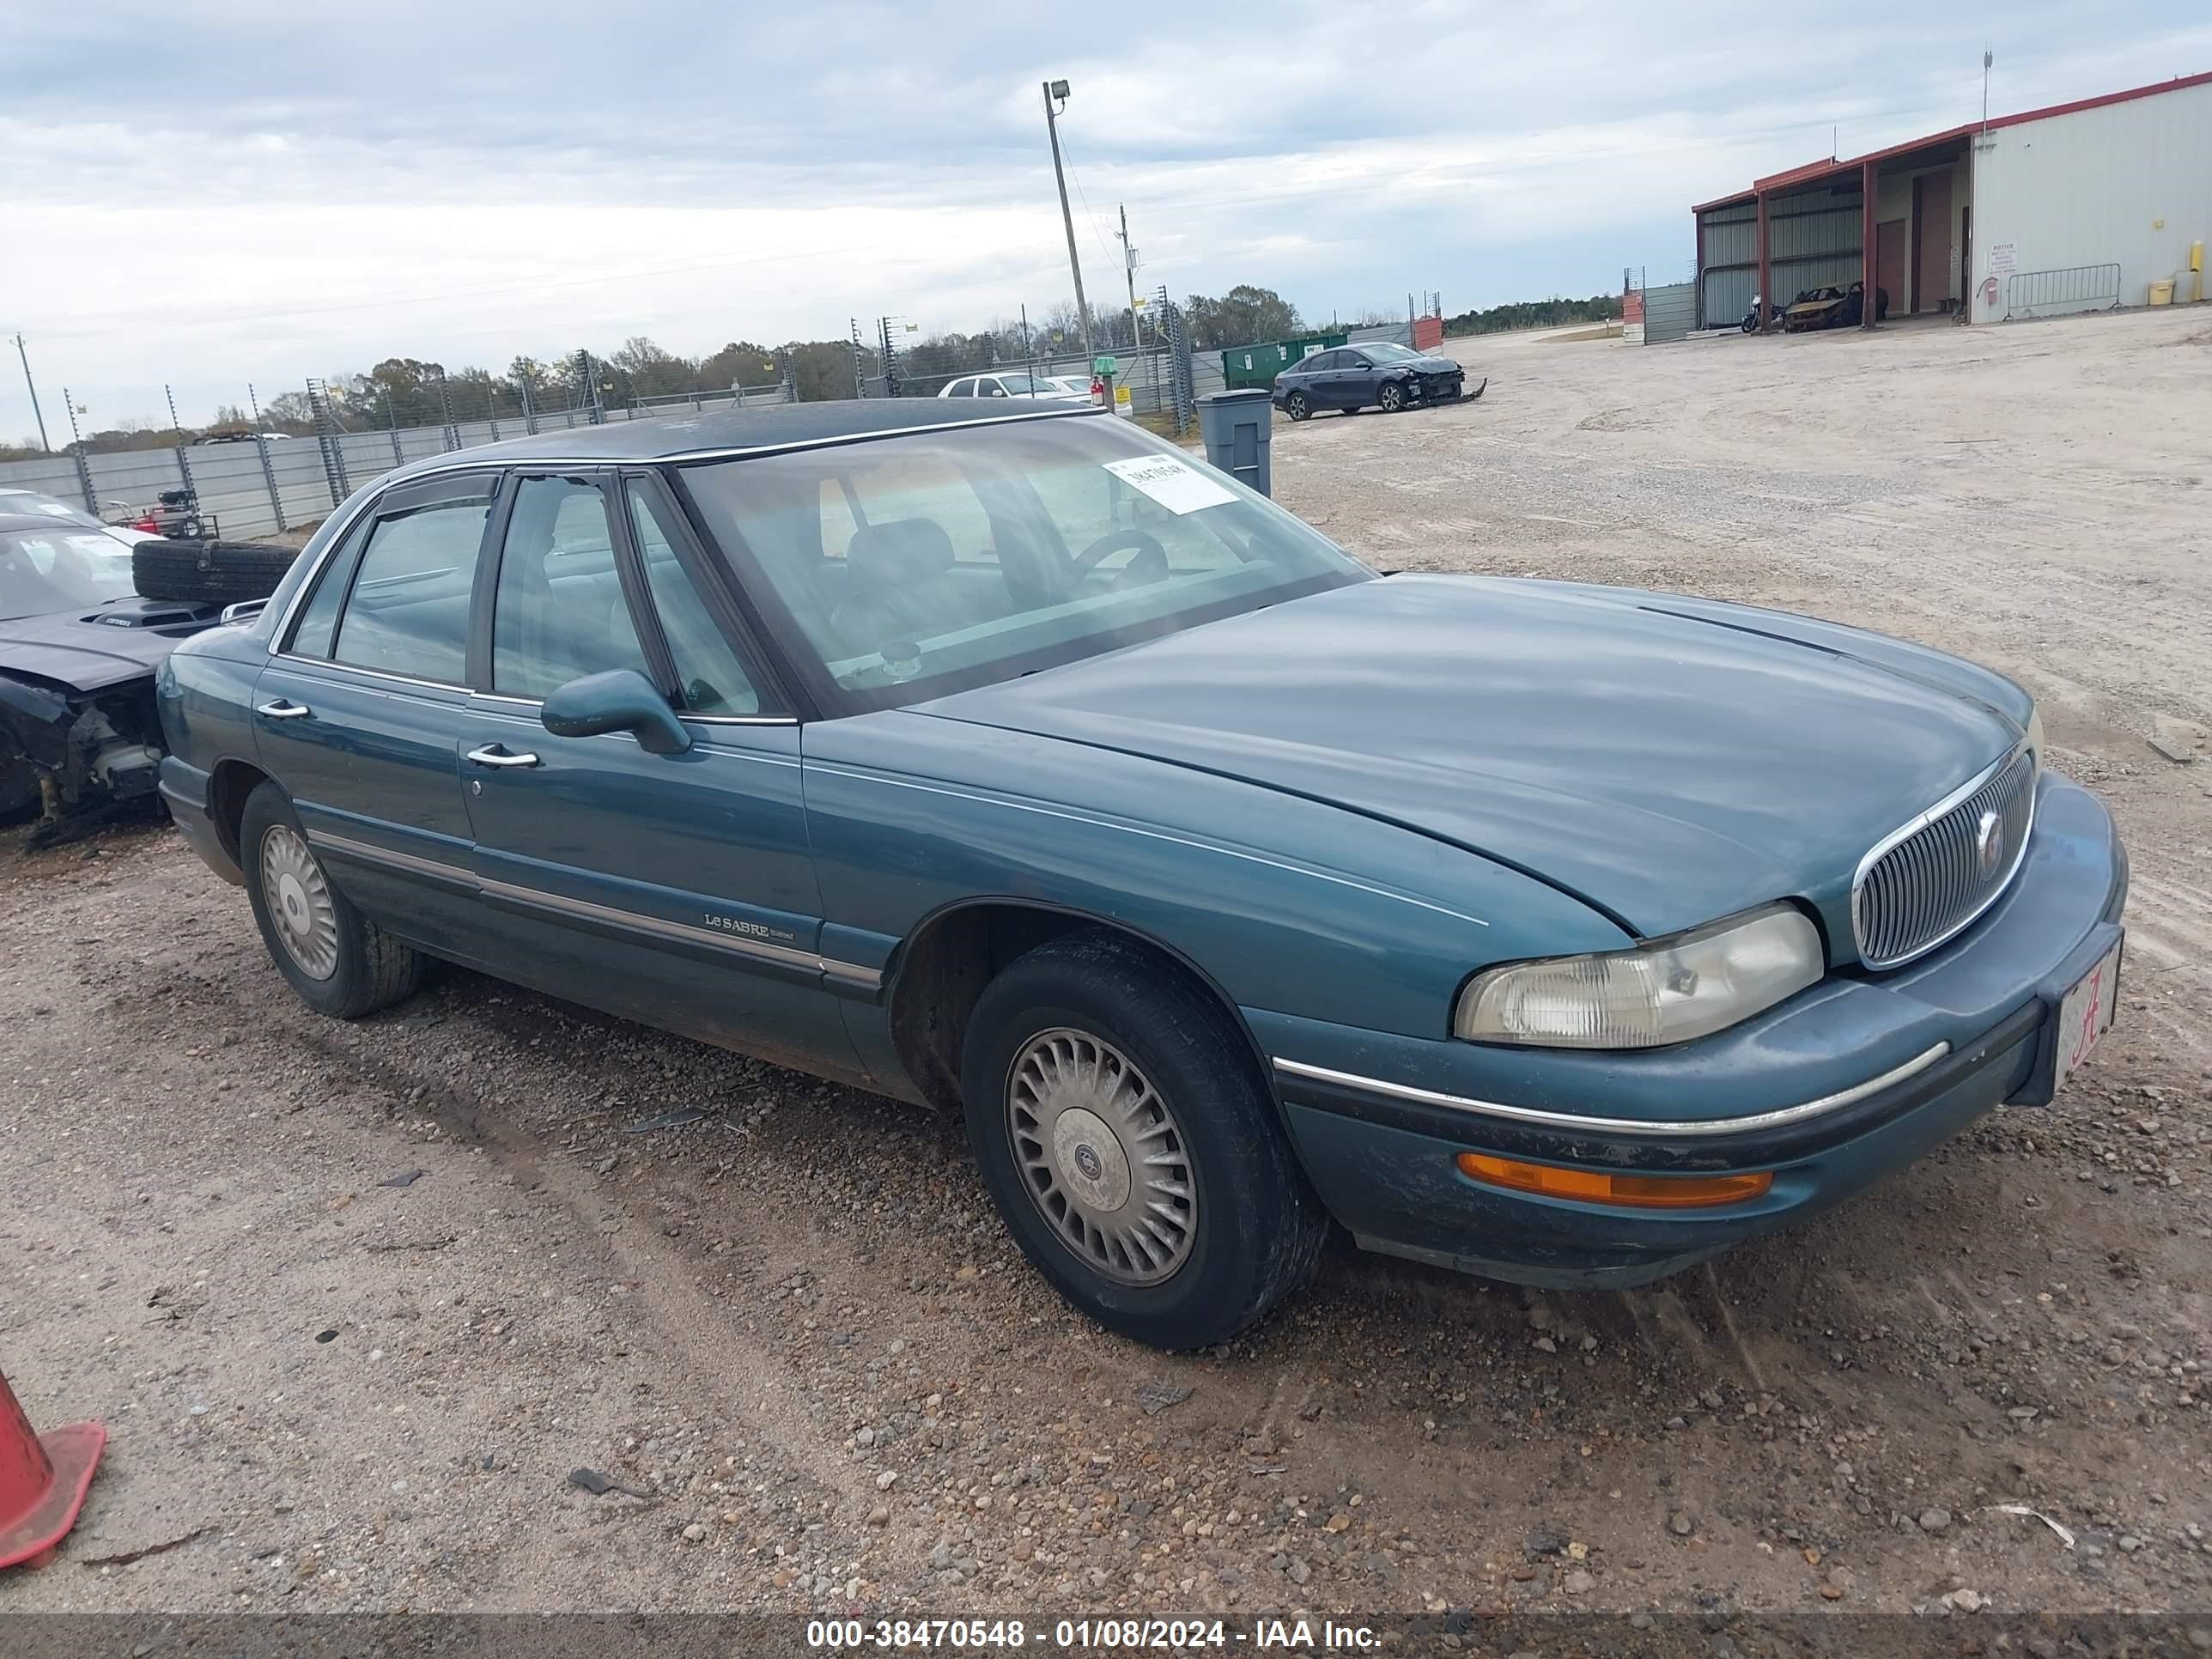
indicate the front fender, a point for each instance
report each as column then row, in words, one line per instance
column 1289, row 905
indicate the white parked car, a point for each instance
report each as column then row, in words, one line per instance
column 1016, row 384
column 13, row 500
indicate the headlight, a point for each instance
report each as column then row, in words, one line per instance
column 1669, row 990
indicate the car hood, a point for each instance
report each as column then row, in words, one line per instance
column 94, row 650
column 1431, row 365
column 1667, row 760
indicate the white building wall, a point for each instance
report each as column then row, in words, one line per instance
column 2127, row 184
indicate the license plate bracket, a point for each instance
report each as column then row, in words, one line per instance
column 2084, row 1014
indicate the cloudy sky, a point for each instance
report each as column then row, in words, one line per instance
column 213, row 192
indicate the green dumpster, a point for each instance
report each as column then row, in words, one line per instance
column 1258, row 365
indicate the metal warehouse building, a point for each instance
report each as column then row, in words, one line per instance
column 2080, row 206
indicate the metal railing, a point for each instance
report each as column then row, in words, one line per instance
column 2069, row 288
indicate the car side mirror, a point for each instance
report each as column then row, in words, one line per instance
column 620, row 700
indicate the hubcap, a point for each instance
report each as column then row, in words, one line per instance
column 1102, row 1156
column 299, row 900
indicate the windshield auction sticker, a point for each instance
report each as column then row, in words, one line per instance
column 1178, row 488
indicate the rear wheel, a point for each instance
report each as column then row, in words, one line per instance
column 340, row 962
column 1129, row 1144
column 1391, row 397
column 1297, row 407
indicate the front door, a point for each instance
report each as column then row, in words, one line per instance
column 1931, row 240
column 674, row 888
column 1361, row 383
column 357, row 716
column 1889, row 260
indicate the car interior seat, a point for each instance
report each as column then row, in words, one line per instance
column 904, row 586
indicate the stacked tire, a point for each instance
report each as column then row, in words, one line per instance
column 209, row 572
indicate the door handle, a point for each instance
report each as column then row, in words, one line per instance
column 495, row 754
column 283, row 708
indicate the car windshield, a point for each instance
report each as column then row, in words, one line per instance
column 904, row 569
column 43, row 571
column 1383, row 351
column 30, row 502
column 1020, row 384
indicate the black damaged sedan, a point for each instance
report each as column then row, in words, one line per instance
column 1375, row 373
column 78, row 646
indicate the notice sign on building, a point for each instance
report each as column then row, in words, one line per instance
column 2003, row 258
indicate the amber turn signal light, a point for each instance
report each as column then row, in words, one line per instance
column 1597, row 1187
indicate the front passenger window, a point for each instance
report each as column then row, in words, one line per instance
column 558, row 612
column 713, row 681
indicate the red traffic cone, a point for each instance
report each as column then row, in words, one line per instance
column 42, row 1481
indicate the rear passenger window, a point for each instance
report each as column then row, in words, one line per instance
column 319, row 622
column 408, row 612
column 558, row 613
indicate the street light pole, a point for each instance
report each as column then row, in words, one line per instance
column 1058, row 90
column 38, row 413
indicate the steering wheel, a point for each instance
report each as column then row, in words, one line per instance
column 1149, row 553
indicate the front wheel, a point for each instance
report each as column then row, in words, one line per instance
column 1391, row 398
column 339, row 961
column 1297, row 407
column 1130, row 1146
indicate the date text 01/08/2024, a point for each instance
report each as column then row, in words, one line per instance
column 1086, row 1635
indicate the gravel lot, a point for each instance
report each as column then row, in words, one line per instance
column 819, row 1372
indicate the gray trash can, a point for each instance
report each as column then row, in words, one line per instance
column 1236, row 427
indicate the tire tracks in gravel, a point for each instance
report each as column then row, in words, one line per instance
column 724, row 1377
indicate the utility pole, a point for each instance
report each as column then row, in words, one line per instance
column 1058, row 90
column 36, row 411
column 1130, row 271
column 1988, row 58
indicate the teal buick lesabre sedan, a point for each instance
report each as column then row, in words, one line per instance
column 1025, row 766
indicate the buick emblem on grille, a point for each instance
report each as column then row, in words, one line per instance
column 1989, row 843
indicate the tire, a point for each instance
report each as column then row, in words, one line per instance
column 208, row 573
column 367, row 968
column 1246, row 1226
column 1390, row 397
column 1297, row 406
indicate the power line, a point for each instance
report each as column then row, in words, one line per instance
column 1096, row 229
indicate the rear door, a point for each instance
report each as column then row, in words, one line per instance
column 1320, row 372
column 356, row 714
column 676, row 888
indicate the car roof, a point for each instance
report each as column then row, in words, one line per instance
column 11, row 522
column 734, row 432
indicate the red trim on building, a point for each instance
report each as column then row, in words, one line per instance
column 1812, row 170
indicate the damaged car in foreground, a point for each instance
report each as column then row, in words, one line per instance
column 79, row 640
column 1020, row 764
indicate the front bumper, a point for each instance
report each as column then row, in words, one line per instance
column 1850, row 1079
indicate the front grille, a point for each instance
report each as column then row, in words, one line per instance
column 1934, row 877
